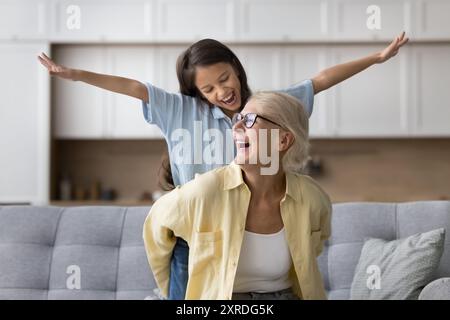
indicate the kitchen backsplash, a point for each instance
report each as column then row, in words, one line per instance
column 348, row 169
column 385, row 169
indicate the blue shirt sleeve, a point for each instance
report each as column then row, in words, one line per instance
column 163, row 109
column 303, row 91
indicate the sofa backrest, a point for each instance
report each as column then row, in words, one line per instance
column 352, row 222
column 44, row 251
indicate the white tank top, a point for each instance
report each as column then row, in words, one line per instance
column 264, row 263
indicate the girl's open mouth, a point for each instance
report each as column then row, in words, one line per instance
column 230, row 99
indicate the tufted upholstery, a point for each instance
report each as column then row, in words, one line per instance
column 38, row 244
column 352, row 222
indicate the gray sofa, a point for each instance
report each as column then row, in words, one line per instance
column 42, row 249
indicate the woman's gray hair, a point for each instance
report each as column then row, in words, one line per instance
column 290, row 114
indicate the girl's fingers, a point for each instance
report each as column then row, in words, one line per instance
column 403, row 41
column 393, row 44
column 43, row 56
column 44, row 62
column 46, row 58
column 400, row 44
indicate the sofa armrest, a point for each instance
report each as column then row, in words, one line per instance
column 437, row 290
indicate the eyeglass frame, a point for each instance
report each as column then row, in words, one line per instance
column 234, row 122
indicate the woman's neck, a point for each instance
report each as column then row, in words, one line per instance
column 264, row 186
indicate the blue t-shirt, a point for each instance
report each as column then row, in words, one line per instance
column 199, row 137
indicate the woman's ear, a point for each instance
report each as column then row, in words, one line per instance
column 286, row 140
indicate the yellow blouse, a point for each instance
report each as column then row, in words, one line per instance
column 210, row 212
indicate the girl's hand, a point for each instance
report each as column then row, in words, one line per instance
column 55, row 69
column 391, row 50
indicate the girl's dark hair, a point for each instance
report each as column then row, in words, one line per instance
column 165, row 180
column 203, row 53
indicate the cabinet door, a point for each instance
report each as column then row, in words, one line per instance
column 165, row 68
column 99, row 20
column 79, row 109
column 431, row 89
column 181, row 20
column 304, row 62
column 24, row 125
column 126, row 116
column 432, row 19
column 262, row 65
column 350, row 19
column 23, row 19
column 285, row 20
column 372, row 103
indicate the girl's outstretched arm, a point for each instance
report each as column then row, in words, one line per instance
column 129, row 87
column 334, row 75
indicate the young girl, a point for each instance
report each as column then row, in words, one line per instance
column 213, row 86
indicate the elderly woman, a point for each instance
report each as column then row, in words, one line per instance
column 254, row 228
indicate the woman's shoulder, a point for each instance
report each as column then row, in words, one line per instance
column 311, row 189
column 204, row 185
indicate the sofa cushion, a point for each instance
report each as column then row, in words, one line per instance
column 44, row 250
column 397, row 269
column 38, row 244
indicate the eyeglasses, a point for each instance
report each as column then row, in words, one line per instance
column 249, row 119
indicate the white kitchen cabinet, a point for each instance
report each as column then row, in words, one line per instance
column 103, row 20
column 283, row 20
column 262, row 65
column 432, row 19
column 372, row 103
column 23, row 19
column 79, row 110
column 430, row 89
column 24, row 125
column 181, row 20
column 83, row 111
column 126, row 119
column 304, row 62
column 349, row 19
column 279, row 67
column 243, row 21
column 165, row 67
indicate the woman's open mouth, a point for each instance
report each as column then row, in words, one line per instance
column 242, row 144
